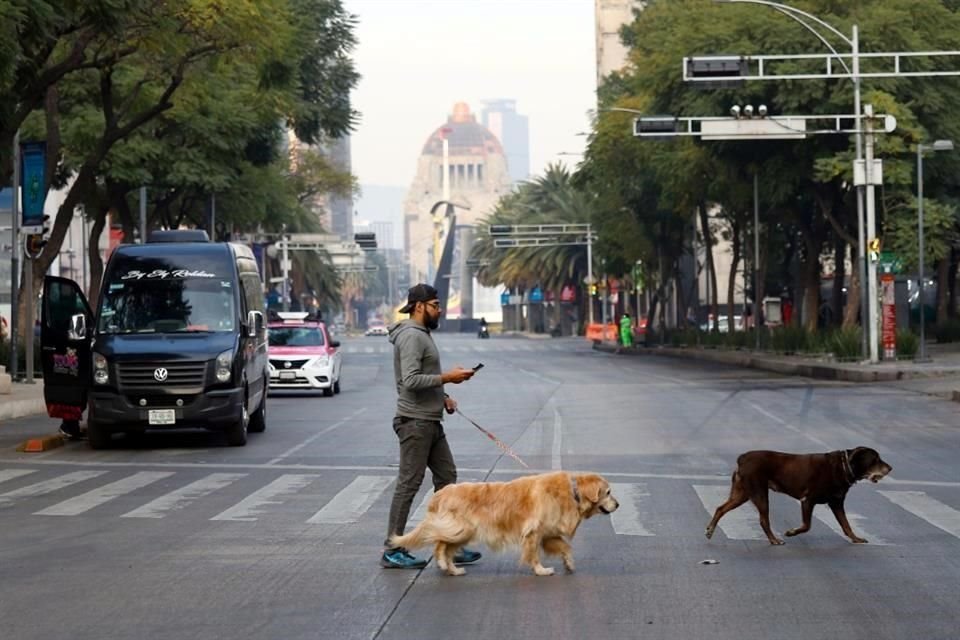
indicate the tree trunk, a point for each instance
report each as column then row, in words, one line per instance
column 952, row 286
column 711, row 271
column 851, row 313
column 811, row 291
column 93, row 255
column 732, row 279
column 943, row 270
column 839, row 275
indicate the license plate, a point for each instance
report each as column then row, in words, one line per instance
column 288, row 375
column 162, row 416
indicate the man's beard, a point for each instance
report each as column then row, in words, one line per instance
column 432, row 323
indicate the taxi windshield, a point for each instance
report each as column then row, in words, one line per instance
column 296, row 337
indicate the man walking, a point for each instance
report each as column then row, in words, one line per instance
column 420, row 406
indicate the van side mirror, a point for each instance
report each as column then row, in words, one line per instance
column 78, row 327
column 254, row 323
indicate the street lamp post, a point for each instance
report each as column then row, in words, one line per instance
column 939, row 145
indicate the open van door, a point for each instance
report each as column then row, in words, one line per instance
column 66, row 329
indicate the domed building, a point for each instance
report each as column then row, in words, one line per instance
column 477, row 176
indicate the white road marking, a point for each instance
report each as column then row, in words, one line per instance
column 923, row 506
column 742, row 523
column 183, row 496
column 322, row 432
column 248, row 509
column 823, row 513
column 796, row 430
column 626, row 519
column 100, row 495
column 556, row 458
column 421, row 511
column 48, row 486
column 352, row 501
column 10, row 474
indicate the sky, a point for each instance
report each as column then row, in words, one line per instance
column 419, row 57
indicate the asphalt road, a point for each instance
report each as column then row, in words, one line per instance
column 178, row 536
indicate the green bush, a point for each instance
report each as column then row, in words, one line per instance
column 908, row 343
column 844, row 344
column 790, row 339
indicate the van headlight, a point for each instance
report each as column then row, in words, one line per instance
column 224, row 360
column 101, row 372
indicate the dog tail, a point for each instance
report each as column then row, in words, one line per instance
column 434, row 528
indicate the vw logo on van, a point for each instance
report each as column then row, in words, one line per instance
column 160, row 374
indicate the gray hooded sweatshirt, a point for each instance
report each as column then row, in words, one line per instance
column 416, row 369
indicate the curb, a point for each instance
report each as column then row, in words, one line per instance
column 20, row 408
column 36, row 445
column 849, row 373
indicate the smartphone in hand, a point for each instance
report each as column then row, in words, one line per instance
column 478, row 367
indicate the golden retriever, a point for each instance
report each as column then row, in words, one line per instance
column 532, row 512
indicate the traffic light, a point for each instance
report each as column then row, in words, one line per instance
column 593, row 289
column 500, row 229
column 366, row 240
column 655, row 124
column 725, row 69
column 34, row 243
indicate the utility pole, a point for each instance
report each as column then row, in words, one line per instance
column 143, row 215
column 15, row 259
column 285, row 268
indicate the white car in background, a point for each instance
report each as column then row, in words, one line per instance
column 376, row 330
column 303, row 355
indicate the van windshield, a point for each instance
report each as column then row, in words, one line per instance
column 144, row 296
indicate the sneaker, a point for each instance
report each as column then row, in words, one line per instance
column 400, row 559
column 466, row 556
column 69, row 434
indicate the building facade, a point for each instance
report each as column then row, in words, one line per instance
column 478, row 176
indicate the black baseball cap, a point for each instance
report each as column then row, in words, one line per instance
column 419, row 293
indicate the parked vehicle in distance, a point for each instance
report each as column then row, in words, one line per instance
column 376, row 330
column 302, row 354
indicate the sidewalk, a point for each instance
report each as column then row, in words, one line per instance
column 939, row 376
column 24, row 400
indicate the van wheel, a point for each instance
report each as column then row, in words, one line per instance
column 237, row 434
column 97, row 436
column 258, row 421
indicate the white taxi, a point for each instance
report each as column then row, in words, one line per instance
column 302, row 354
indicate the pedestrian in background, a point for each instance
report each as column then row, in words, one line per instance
column 626, row 331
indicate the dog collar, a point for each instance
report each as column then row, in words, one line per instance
column 847, row 469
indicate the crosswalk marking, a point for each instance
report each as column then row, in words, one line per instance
column 421, row 510
column 739, row 524
column 48, row 486
column 825, row 515
column 183, row 496
column 248, row 509
column 626, row 519
column 96, row 497
column 352, row 501
column 10, row 474
column 923, row 506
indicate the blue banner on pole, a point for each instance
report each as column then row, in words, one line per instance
column 505, row 298
column 33, row 182
column 536, row 295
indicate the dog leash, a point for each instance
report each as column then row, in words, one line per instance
column 497, row 441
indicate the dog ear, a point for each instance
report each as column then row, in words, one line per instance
column 590, row 486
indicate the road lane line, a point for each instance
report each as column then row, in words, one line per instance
column 48, row 486
column 923, row 506
column 556, row 458
column 352, row 501
column 783, row 422
column 626, row 519
column 825, row 515
column 100, row 495
column 176, row 500
column 10, row 474
column 248, row 509
column 319, row 434
column 742, row 523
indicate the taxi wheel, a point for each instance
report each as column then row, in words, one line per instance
column 336, row 386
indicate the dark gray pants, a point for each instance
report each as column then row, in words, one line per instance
column 422, row 445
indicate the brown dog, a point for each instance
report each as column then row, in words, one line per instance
column 532, row 512
column 815, row 478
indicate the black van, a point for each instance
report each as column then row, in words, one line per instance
column 178, row 340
